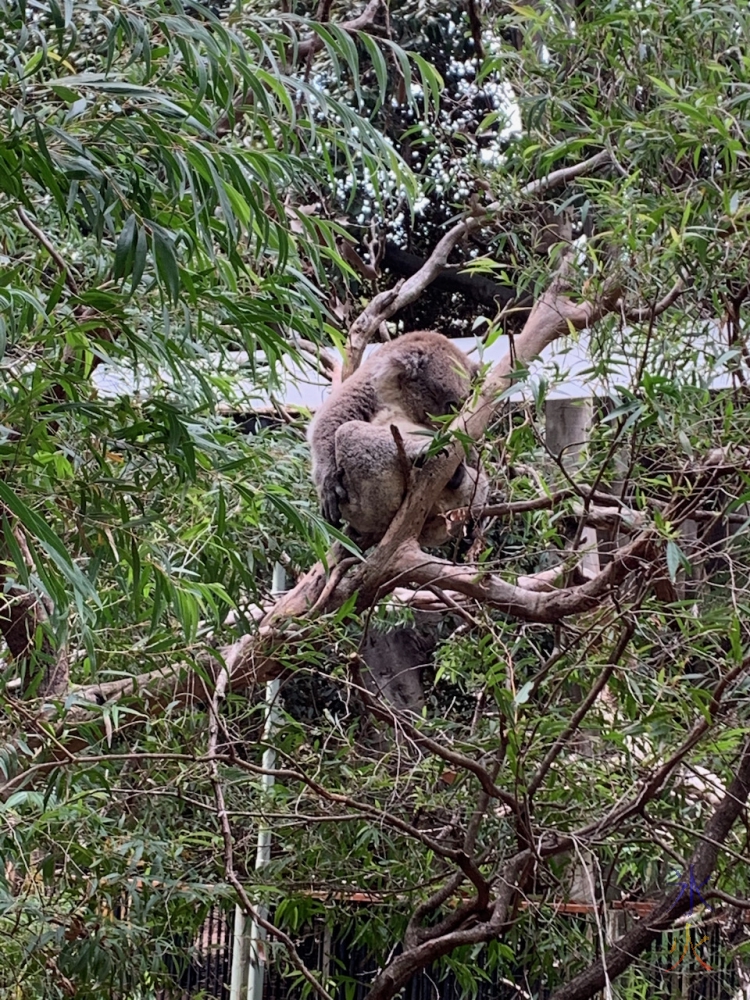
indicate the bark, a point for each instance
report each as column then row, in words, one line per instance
column 398, row 973
column 453, row 278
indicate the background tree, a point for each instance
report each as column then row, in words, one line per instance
column 189, row 197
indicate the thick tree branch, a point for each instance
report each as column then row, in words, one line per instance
column 454, row 278
column 418, row 568
column 386, row 304
column 22, row 616
column 366, row 21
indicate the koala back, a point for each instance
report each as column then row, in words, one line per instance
column 420, row 375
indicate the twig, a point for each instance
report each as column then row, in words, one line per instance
column 337, row 574
column 403, row 460
column 459, row 760
column 565, row 174
column 321, row 356
column 649, row 313
column 580, row 713
column 54, row 254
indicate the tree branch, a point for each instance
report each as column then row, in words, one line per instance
column 49, row 247
column 647, row 313
column 454, row 278
column 416, row 567
column 400, row 970
column 634, row 942
column 565, row 174
column 386, row 304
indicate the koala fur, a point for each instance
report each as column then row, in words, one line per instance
column 357, row 469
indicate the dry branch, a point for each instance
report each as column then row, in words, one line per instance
column 455, row 278
column 400, row 970
column 387, row 303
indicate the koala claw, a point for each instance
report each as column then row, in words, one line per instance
column 332, row 494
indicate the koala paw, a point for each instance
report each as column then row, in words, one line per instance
column 333, row 494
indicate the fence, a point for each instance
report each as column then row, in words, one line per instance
column 681, row 965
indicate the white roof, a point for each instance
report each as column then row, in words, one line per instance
column 565, row 365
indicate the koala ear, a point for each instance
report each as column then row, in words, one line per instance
column 413, row 363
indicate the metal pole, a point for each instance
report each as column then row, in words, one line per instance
column 247, row 950
column 240, row 955
column 263, row 854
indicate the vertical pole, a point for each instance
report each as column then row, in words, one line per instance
column 247, row 949
column 568, row 425
column 240, row 955
column 263, row 854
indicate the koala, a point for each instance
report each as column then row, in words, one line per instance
column 357, row 468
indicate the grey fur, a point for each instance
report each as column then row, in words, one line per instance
column 357, row 469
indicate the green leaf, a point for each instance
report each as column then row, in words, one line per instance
column 166, row 263
column 50, row 542
column 675, row 559
column 125, row 249
column 664, row 87
column 139, row 258
column 524, row 693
